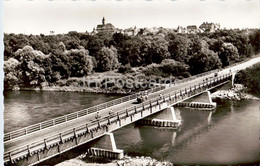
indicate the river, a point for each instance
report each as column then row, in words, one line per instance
column 229, row 135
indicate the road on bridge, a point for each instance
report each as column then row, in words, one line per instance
column 44, row 133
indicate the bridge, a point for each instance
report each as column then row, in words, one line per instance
column 39, row 142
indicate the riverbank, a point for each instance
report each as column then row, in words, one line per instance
column 126, row 161
column 110, row 82
column 56, row 88
column 239, row 92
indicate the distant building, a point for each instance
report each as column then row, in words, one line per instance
column 130, row 31
column 209, row 27
column 182, row 30
column 52, row 33
column 192, row 29
column 107, row 28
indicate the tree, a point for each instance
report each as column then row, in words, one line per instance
column 250, row 78
column 159, row 49
column 81, row 62
column 178, row 47
column 12, row 72
column 31, row 60
column 95, row 44
column 107, row 59
column 204, row 60
column 255, row 41
column 228, row 54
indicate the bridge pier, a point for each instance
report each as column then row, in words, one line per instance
column 233, row 79
column 106, row 147
column 204, row 101
column 165, row 118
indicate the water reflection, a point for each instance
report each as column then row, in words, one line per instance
column 209, row 117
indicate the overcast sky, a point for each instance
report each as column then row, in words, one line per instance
column 62, row 16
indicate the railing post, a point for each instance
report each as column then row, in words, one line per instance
column 40, row 126
column 66, row 118
column 150, row 106
column 75, row 135
column 118, row 118
column 45, row 144
column 87, row 129
column 29, row 151
column 77, row 115
column 53, row 122
column 61, row 140
column 99, row 126
column 25, row 131
column 108, row 121
column 10, row 157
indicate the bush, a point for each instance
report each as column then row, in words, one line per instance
column 125, row 69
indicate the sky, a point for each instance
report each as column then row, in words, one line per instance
column 62, row 16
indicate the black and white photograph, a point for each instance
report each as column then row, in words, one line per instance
column 130, row 82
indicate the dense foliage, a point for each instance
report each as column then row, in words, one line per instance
column 250, row 78
column 31, row 60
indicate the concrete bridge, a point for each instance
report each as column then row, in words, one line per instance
column 39, row 142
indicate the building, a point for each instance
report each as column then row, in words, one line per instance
column 130, row 31
column 192, row 29
column 106, row 28
column 180, row 29
column 209, row 27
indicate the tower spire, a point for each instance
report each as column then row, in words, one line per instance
column 103, row 21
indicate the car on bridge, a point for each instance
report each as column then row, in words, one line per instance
column 141, row 98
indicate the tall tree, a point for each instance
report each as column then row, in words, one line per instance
column 107, row 59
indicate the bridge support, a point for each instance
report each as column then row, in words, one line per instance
column 165, row 118
column 233, row 78
column 106, row 147
column 204, row 101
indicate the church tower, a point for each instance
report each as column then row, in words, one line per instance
column 103, row 21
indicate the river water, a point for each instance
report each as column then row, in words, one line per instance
column 229, row 135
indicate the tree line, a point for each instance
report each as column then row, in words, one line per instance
column 31, row 60
column 250, row 78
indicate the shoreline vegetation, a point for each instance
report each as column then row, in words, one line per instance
column 126, row 161
column 239, row 92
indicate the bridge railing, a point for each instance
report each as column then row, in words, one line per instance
column 49, row 141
